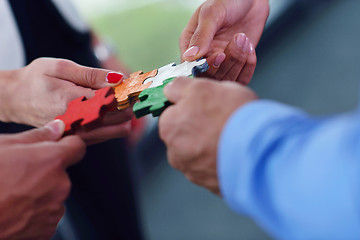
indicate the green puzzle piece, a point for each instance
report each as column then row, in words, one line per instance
column 152, row 100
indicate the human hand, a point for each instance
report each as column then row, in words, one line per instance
column 192, row 126
column 37, row 93
column 33, row 180
column 217, row 31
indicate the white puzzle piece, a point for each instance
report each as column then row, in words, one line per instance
column 172, row 70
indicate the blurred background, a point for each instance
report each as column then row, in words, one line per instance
column 308, row 57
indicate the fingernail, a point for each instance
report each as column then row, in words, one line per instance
column 57, row 126
column 219, row 60
column 240, row 40
column 246, row 47
column 114, row 77
column 191, row 52
column 252, row 49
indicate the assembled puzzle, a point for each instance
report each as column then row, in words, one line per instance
column 148, row 87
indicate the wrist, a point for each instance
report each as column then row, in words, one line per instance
column 8, row 93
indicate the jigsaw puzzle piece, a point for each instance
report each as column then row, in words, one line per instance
column 88, row 113
column 172, row 70
column 152, row 100
column 129, row 89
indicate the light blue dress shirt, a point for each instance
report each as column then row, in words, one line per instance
column 297, row 176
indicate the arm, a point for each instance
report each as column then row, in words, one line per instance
column 296, row 175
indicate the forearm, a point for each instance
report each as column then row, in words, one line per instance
column 295, row 175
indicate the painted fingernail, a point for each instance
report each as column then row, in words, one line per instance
column 252, row 49
column 191, row 52
column 219, row 60
column 57, row 126
column 240, row 40
column 114, row 77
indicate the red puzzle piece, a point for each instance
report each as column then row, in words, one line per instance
column 87, row 113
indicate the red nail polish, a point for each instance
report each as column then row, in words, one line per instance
column 114, row 77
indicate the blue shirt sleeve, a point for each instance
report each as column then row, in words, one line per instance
column 297, row 176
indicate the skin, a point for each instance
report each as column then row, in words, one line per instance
column 37, row 93
column 226, row 33
column 33, row 190
column 191, row 127
column 215, row 29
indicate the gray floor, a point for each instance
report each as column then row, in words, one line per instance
column 314, row 66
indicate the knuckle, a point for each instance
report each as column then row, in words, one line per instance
column 193, row 178
column 213, row 10
column 40, row 135
column 57, row 162
column 197, row 85
column 128, row 114
column 37, row 61
column 209, row 10
column 166, row 123
column 199, row 89
column 81, row 146
column 50, row 231
column 64, row 189
column 238, row 56
column 163, row 127
column 61, row 65
column 90, row 76
column 124, row 130
column 127, row 129
column 196, row 38
column 245, row 78
column 174, row 163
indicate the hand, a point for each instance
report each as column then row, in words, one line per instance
column 192, row 126
column 37, row 93
column 33, row 180
column 217, row 31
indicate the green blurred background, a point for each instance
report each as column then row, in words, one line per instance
column 145, row 34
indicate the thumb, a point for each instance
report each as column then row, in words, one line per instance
column 94, row 78
column 201, row 39
column 174, row 90
column 52, row 131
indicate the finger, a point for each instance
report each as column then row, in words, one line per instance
column 209, row 21
column 237, row 53
column 117, row 117
column 71, row 150
column 214, row 61
column 105, row 133
column 95, row 78
column 248, row 70
column 175, row 89
column 167, row 121
column 50, row 132
column 189, row 30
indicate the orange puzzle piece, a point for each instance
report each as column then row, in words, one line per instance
column 129, row 90
column 87, row 113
